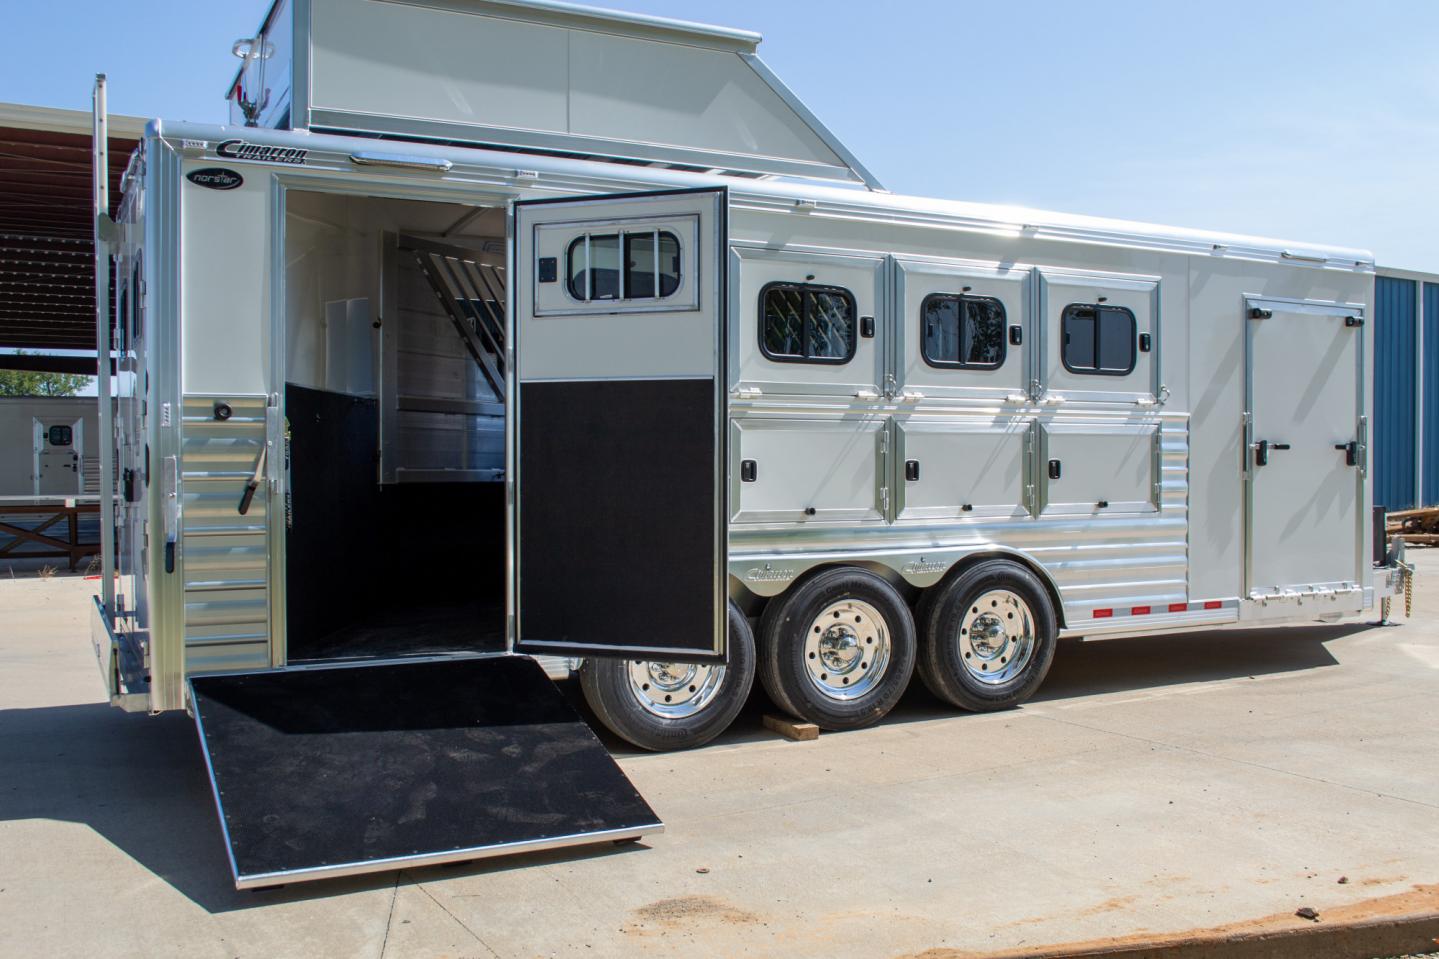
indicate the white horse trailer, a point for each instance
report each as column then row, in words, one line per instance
column 48, row 448
column 508, row 338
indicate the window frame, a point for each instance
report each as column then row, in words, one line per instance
column 808, row 289
column 1099, row 309
column 622, row 240
column 961, row 364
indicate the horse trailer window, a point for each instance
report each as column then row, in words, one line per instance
column 1098, row 339
column 61, row 436
column 807, row 324
column 963, row 332
column 624, row 266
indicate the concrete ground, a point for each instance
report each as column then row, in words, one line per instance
column 1157, row 788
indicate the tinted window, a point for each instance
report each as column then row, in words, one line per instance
column 1098, row 339
column 648, row 270
column 61, row 436
column 652, row 260
column 965, row 332
column 807, row 324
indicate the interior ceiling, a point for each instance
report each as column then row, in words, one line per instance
column 47, row 253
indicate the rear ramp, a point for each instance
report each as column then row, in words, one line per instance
column 322, row 773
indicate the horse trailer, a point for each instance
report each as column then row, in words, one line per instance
column 500, row 339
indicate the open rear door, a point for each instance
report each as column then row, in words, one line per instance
column 331, row 772
column 617, row 454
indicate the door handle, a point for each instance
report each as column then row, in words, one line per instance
column 1262, row 450
column 253, row 484
column 1350, row 451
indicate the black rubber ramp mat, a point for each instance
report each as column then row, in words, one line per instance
column 332, row 772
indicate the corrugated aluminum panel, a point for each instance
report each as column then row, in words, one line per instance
column 1431, row 394
column 1395, row 340
column 224, row 556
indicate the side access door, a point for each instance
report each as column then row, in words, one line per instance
column 59, row 467
column 617, row 443
column 1307, row 447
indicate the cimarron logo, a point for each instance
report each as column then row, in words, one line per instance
column 769, row 574
column 216, row 178
column 243, row 150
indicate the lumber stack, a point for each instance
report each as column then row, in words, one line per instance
column 1418, row 527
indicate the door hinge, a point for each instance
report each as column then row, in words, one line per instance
column 884, row 499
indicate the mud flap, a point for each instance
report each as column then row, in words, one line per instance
column 332, row 772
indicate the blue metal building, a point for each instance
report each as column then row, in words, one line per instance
column 1406, row 389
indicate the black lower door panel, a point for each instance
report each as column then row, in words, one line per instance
column 332, row 772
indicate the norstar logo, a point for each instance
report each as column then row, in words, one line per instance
column 241, row 150
column 216, row 178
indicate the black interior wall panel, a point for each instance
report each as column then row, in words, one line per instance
column 331, row 548
column 361, row 555
column 617, row 527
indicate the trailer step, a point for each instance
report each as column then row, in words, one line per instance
column 323, row 773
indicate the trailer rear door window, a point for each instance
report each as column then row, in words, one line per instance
column 800, row 323
column 643, row 265
column 963, row 332
column 1098, row 339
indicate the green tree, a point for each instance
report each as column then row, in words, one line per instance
column 33, row 383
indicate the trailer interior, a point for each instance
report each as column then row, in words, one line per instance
column 394, row 386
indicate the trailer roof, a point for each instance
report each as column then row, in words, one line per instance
column 590, row 176
column 47, row 253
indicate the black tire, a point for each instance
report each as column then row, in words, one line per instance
column 827, row 699
column 948, row 656
column 617, row 702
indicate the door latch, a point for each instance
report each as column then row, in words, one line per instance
column 1350, row 451
column 1054, row 469
column 911, row 470
column 1263, row 448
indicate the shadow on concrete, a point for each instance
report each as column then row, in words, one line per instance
column 1147, row 662
column 140, row 781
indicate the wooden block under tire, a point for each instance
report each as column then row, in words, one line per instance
column 796, row 729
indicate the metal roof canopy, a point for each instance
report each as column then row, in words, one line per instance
column 534, row 76
column 47, row 252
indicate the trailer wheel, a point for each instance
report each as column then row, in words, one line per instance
column 838, row 649
column 987, row 636
column 666, row 706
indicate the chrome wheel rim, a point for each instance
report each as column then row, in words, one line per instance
column 674, row 690
column 996, row 637
column 847, row 649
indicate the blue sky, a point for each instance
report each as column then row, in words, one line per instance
column 1315, row 121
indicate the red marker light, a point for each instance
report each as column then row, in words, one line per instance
column 1103, row 613
column 1213, row 604
column 1139, row 611
column 1178, row 607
